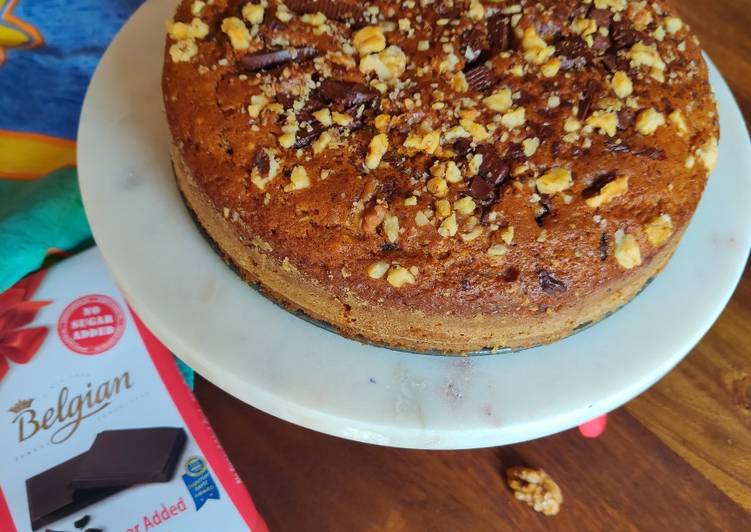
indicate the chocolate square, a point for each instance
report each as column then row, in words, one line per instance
column 51, row 496
column 131, row 456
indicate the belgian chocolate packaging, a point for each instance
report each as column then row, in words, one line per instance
column 101, row 432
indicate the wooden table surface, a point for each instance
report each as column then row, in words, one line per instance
column 676, row 458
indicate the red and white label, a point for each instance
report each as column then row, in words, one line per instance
column 91, row 324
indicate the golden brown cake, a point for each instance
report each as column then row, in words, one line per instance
column 441, row 175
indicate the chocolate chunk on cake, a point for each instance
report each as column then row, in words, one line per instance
column 444, row 175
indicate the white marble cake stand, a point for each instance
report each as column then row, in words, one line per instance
column 285, row 366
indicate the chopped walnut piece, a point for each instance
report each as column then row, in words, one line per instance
column 659, row 229
column 257, row 103
column 442, row 208
column 604, row 121
column 465, row 205
column 459, row 82
column 476, row 10
column 378, row 269
column 372, row 218
column 475, row 130
column 438, row 187
column 398, row 276
column 500, row 100
column 428, row 143
column 555, row 180
column 507, row 234
column 298, row 180
column 314, row 19
column 497, row 251
column 183, row 50
column 536, row 50
column 513, row 119
column 341, row 119
column 389, row 64
column 612, row 189
column 197, row 6
column 530, row 146
column 708, row 153
column 536, row 488
column 448, row 227
column 649, row 120
column 283, row 14
column 453, row 174
column 673, row 25
column 551, row 67
column 391, row 228
column 253, row 13
column 369, row 40
column 421, row 220
column 376, row 149
column 237, row 32
column 571, row 124
column 322, row 142
column 197, row 29
column 622, row 85
column 639, row 15
column 627, row 252
column 323, row 116
column 614, row 5
column 382, row 122
column 677, row 119
column 641, row 54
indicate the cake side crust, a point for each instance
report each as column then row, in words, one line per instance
column 418, row 331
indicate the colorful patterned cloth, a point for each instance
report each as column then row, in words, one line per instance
column 48, row 52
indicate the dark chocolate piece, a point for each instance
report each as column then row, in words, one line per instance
column 462, row 146
column 499, row 33
column 604, row 244
column 600, row 42
column 333, row 9
column 610, row 62
column 493, row 169
column 473, row 40
column 549, row 284
column 615, row 146
column 93, row 530
column 480, row 78
column 306, row 136
column 573, row 52
column 597, row 184
column 623, row 35
column 587, row 99
column 510, row 274
column 262, row 162
column 601, row 16
column 625, row 118
column 546, row 209
column 349, row 94
column 480, row 190
column 51, row 496
column 131, row 456
column 82, row 522
column 271, row 58
column 657, row 154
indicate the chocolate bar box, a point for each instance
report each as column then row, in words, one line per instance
column 99, row 431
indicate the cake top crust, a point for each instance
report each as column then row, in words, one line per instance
column 450, row 156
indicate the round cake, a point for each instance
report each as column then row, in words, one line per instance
column 441, row 175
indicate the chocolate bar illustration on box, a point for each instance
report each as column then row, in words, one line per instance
column 116, row 460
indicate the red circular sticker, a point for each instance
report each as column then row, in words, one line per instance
column 91, row 324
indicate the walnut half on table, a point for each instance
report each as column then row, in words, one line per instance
column 536, row 488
